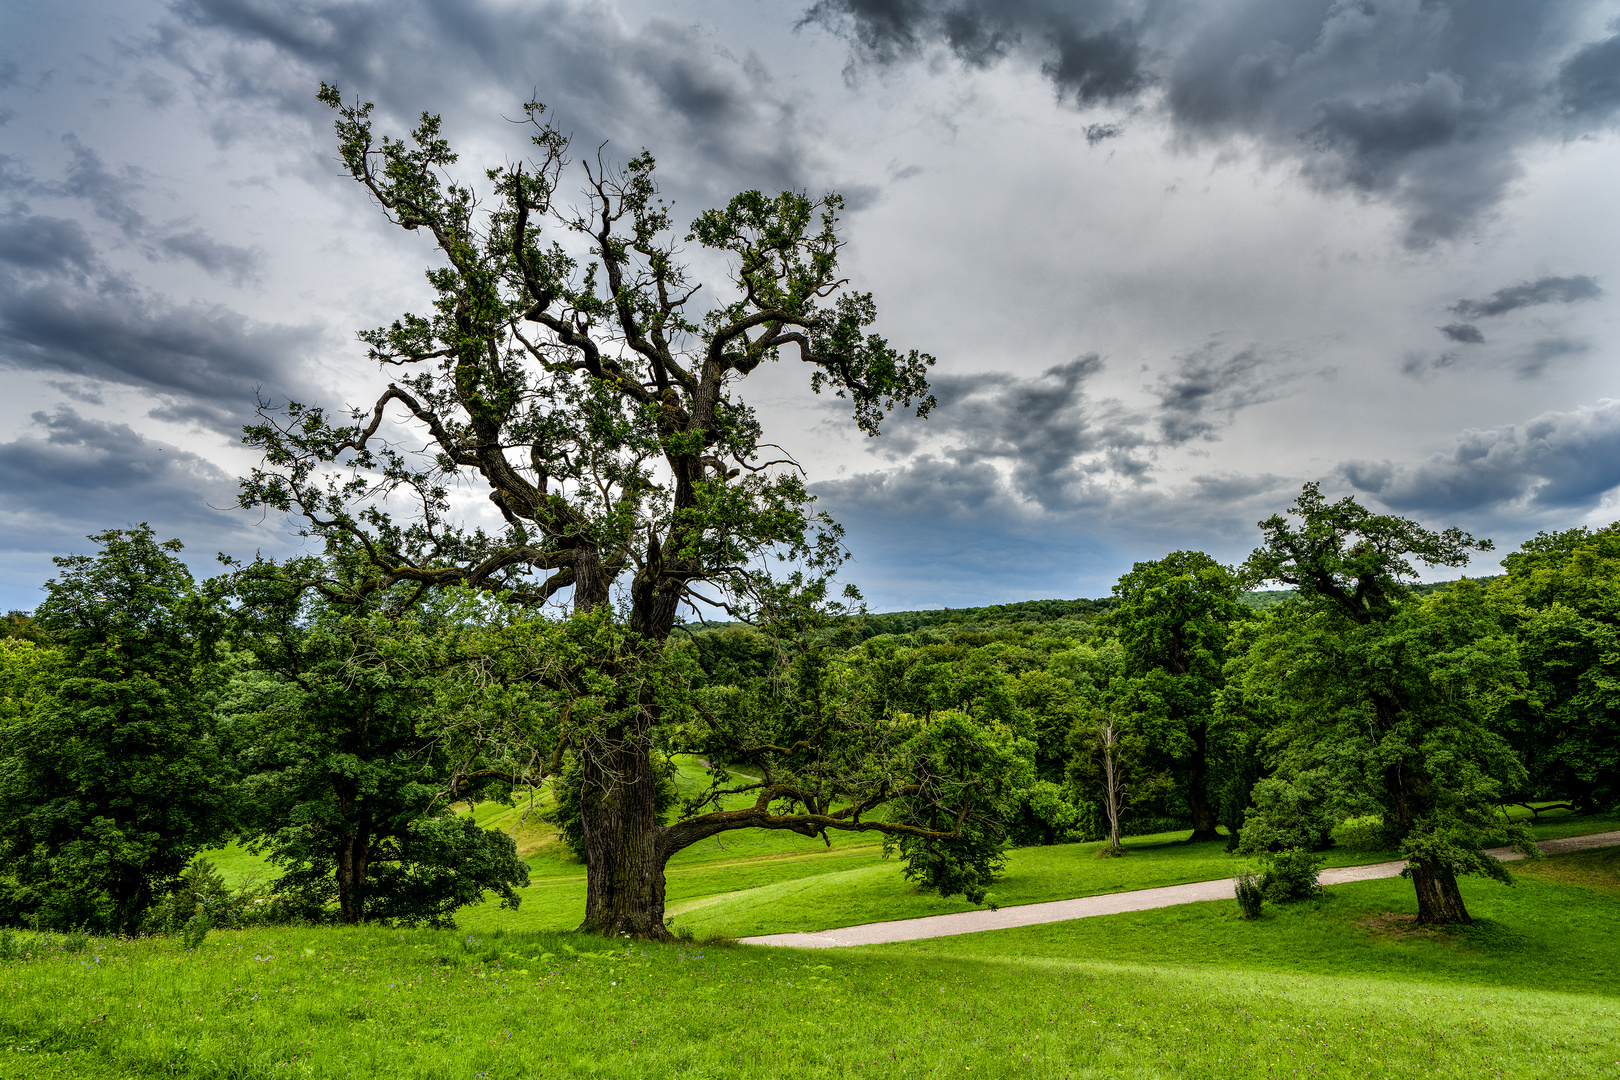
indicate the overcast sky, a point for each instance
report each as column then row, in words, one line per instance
column 1176, row 258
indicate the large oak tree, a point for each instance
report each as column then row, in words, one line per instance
column 570, row 370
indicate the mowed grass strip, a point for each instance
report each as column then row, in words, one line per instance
column 1536, row 934
column 420, row 1004
column 819, row 896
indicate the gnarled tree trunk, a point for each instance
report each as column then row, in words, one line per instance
column 1440, row 902
column 624, row 848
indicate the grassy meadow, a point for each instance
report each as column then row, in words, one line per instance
column 1337, row 990
column 1342, row 987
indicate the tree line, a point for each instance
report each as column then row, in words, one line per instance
column 145, row 716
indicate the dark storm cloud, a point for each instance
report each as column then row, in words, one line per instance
column 203, row 359
column 1096, row 133
column 1091, row 51
column 1544, row 352
column 1000, row 455
column 1047, row 445
column 63, row 310
column 74, row 475
column 1418, row 363
column 1208, row 386
column 1546, row 290
column 49, row 244
column 1589, row 83
column 1096, row 68
column 1424, row 104
column 1559, row 460
column 107, row 192
column 206, row 359
column 1042, row 437
column 226, row 261
column 111, row 195
column 663, row 85
column 1463, row 333
column 926, row 485
column 81, row 454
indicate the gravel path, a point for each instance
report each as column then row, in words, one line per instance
column 971, row 922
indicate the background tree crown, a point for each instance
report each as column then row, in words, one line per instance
column 1355, row 560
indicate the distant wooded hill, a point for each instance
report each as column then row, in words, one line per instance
column 1038, row 611
column 1264, row 598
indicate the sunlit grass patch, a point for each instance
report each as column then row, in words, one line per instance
column 1532, row 935
column 371, row 1003
column 1598, row 869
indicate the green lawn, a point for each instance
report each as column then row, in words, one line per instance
column 1341, row 989
column 1598, row 870
column 422, row 1004
column 1537, row 934
column 818, row 889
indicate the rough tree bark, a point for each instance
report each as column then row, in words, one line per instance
column 1439, row 900
column 624, row 849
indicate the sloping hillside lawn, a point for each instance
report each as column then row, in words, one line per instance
column 1190, row 992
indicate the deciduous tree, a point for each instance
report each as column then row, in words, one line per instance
column 1391, row 695
column 1173, row 621
column 566, row 370
column 111, row 784
column 1561, row 598
column 345, row 747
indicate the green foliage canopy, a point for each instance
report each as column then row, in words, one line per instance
column 1393, row 698
column 347, row 759
column 1561, row 598
column 110, row 785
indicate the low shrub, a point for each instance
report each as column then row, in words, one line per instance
column 1293, row 874
column 200, row 888
column 201, row 891
column 1289, row 814
column 1251, row 894
column 196, row 928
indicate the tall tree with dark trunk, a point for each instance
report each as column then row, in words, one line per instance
column 1392, row 695
column 564, row 371
column 340, row 729
column 112, row 779
column 1173, row 621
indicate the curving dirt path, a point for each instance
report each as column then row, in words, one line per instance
column 971, row 922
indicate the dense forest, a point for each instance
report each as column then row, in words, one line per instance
column 146, row 716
